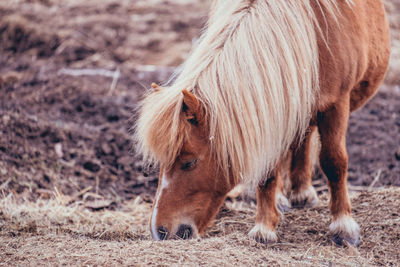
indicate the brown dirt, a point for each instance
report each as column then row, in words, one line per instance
column 43, row 108
column 68, row 137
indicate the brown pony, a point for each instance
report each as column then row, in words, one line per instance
column 264, row 77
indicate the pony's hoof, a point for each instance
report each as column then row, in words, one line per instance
column 282, row 203
column 262, row 234
column 306, row 198
column 345, row 230
column 345, row 241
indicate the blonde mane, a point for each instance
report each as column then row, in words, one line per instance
column 255, row 70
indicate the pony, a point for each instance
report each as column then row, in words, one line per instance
column 264, row 77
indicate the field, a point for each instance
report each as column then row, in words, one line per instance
column 74, row 192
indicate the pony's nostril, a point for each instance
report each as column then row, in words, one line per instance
column 185, row 231
column 162, row 233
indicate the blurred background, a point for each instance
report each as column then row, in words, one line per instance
column 72, row 73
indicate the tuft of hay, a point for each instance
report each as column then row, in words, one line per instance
column 54, row 217
column 33, row 232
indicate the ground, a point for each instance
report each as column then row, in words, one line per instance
column 71, row 75
column 47, row 232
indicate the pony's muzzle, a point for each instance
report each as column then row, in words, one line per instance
column 185, row 231
column 162, row 233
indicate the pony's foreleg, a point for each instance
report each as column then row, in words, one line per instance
column 332, row 125
column 267, row 213
column 282, row 203
column 303, row 193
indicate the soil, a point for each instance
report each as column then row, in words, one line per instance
column 72, row 73
column 71, row 132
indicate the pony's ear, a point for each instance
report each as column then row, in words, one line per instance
column 156, row 87
column 191, row 108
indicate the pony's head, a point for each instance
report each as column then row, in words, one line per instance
column 192, row 186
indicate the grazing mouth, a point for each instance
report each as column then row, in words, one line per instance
column 184, row 232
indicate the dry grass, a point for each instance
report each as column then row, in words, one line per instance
column 47, row 232
column 51, row 216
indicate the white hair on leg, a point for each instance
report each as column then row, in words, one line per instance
column 262, row 234
column 282, row 203
column 305, row 197
column 237, row 191
column 344, row 224
column 345, row 228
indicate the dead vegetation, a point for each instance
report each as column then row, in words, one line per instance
column 53, row 216
column 46, row 230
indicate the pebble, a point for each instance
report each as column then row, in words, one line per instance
column 6, row 119
column 3, row 171
column 90, row 166
column 58, row 149
column 106, row 148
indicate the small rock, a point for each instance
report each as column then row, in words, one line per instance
column 6, row 119
column 90, row 166
column 141, row 179
column 58, row 149
column 106, row 148
column 3, row 171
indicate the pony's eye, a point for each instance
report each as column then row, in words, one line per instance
column 189, row 165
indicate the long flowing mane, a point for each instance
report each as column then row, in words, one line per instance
column 255, row 70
